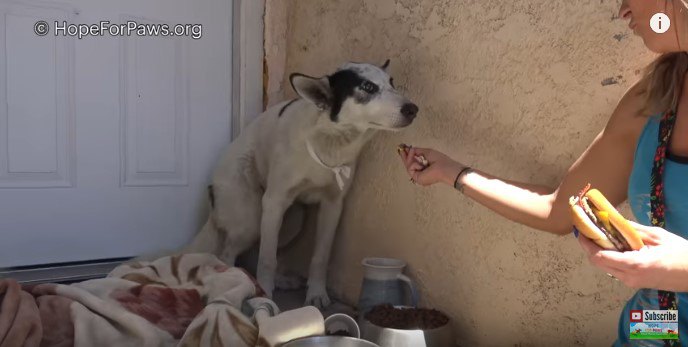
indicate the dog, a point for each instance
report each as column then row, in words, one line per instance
column 302, row 151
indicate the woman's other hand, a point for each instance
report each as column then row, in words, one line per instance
column 661, row 264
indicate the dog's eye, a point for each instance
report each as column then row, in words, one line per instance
column 369, row 87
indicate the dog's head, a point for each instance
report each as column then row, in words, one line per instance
column 362, row 95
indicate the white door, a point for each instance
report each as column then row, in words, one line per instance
column 107, row 143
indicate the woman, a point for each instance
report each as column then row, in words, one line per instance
column 650, row 172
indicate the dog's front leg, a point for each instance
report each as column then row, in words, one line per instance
column 328, row 219
column 274, row 207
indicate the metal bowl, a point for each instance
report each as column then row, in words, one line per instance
column 329, row 341
column 388, row 337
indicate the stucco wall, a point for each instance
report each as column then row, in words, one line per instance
column 275, row 43
column 515, row 88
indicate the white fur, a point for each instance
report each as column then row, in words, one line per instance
column 268, row 168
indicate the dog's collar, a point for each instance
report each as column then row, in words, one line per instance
column 340, row 172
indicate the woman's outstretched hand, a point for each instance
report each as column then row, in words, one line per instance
column 427, row 167
column 661, row 264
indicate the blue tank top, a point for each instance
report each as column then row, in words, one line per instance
column 676, row 200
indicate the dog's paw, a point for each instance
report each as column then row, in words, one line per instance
column 267, row 284
column 288, row 281
column 317, row 296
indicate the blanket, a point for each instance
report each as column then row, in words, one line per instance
column 184, row 300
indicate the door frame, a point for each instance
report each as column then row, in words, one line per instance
column 247, row 62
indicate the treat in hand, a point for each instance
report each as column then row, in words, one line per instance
column 595, row 217
column 404, row 148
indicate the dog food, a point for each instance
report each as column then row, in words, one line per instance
column 388, row 316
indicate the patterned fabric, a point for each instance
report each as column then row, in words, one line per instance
column 188, row 300
column 667, row 300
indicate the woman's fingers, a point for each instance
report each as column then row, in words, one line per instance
column 415, row 176
column 622, row 261
column 649, row 234
column 412, row 165
column 651, row 238
column 588, row 246
column 636, row 225
column 407, row 160
column 415, row 166
column 402, row 154
column 429, row 155
column 613, row 272
column 415, row 155
column 417, row 163
column 598, row 256
column 422, row 151
column 410, row 157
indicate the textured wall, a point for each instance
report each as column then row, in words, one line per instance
column 275, row 36
column 515, row 88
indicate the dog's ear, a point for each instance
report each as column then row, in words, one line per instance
column 315, row 90
column 385, row 65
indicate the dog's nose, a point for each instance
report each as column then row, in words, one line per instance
column 409, row 110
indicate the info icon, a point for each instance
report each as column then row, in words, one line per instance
column 636, row 315
column 660, row 23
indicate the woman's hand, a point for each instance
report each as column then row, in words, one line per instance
column 439, row 168
column 661, row 264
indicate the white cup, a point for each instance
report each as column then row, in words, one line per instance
column 341, row 321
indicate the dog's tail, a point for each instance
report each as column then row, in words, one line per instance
column 211, row 197
column 201, row 242
column 153, row 256
column 206, row 241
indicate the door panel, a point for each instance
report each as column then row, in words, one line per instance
column 155, row 111
column 108, row 142
column 36, row 115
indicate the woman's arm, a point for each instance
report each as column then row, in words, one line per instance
column 606, row 164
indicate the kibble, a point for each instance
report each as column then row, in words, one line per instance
column 388, row 316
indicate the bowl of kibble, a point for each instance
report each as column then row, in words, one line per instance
column 403, row 326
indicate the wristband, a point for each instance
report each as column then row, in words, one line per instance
column 458, row 186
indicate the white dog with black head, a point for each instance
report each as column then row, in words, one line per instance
column 301, row 151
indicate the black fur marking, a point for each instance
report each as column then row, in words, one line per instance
column 284, row 108
column 211, row 196
column 343, row 84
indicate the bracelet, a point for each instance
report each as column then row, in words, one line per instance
column 458, row 186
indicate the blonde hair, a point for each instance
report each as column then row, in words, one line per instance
column 662, row 82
